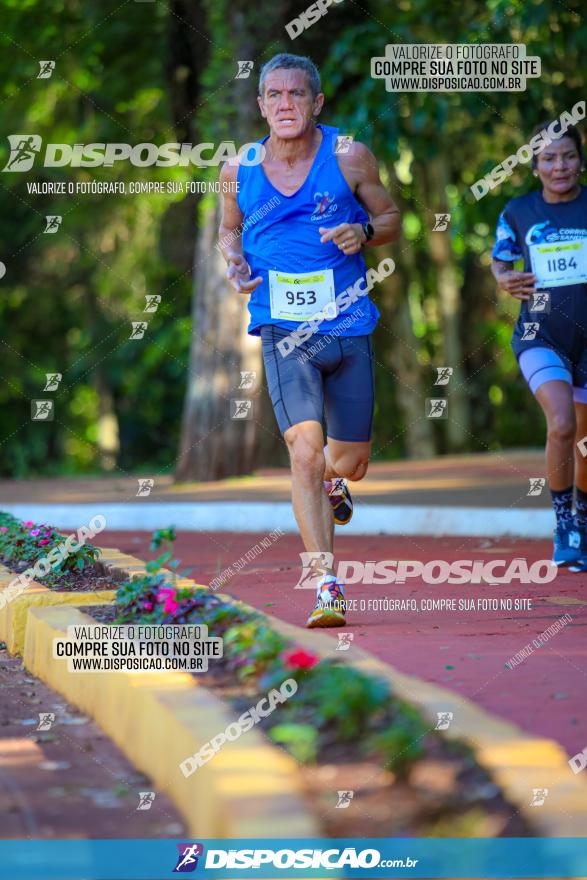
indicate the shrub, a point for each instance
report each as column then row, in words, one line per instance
column 29, row 542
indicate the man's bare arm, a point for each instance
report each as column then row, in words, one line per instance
column 360, row 170
column 229, row 233
column 230, row 239
column 385, row 215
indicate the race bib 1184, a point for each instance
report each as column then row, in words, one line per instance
column 559, row 263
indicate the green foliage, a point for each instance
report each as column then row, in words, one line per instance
column 69, row 298
column 300, row 740
column 118, row 82
column 401, row 744
column 161, row 537
column 252, row 647
column 334, row 704
column 31, row 542
column 340, row 698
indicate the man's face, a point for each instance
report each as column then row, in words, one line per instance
column 558, row 166
column 287, row 103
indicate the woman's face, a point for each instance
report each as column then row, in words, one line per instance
column 558, row 166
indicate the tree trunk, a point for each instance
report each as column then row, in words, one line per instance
column 213, row 443
column 108, row 432
column 400, row 353
column 458, row 424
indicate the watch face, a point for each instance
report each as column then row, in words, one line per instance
column 369, row 231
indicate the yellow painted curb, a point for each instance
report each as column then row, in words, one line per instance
column 13, row 615
column 517, row 761
column 122, row 564
column 249, row 789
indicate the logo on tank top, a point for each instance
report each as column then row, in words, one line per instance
column 325, row 206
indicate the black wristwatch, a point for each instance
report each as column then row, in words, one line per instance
column 369, row 232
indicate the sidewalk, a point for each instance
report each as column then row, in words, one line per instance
column 483, row 480
column 460, row 495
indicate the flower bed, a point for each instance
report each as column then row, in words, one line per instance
column 24, row 544
column 40, row 566
column 346, row 729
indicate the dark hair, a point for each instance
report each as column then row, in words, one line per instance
column 572, row 132
column 286, row 61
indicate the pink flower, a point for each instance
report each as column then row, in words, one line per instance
column 35, row 532
column 300, row 659
column 167, row 595
column 3, row 529
column 148, row 606
column 44, row 542
column 29, row 523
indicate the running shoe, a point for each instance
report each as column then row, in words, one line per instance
column 581, row 563
column 330, row 607
column 341, row 501
column 568, row 545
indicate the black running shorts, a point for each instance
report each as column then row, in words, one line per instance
column 327, row 378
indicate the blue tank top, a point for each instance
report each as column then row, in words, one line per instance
column 281, row 233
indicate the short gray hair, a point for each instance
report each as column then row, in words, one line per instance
column 286, row 61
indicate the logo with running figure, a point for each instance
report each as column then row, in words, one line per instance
column 325, row 206
column 315, row 564
column 23, row 150
column 187, row 860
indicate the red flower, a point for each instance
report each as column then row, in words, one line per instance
column 299, row 659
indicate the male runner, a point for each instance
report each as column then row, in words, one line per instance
column 320, row 208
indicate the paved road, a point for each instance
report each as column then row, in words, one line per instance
column 463, row 650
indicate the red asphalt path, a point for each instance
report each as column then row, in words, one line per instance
column 464, row 651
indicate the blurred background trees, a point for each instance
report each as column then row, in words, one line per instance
column 165, row 72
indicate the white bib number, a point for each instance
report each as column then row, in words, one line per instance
column 559, row 263
column 299, row 296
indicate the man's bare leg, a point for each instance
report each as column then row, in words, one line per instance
column 312, row 509
column 311, row 464
column 344, row 459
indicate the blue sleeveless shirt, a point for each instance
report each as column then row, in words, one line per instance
column 283, row 236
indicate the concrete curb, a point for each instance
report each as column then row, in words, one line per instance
column 13, row 615
column 257, row 516
column 158, row 719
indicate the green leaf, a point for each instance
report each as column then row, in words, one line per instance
column 300, row 740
